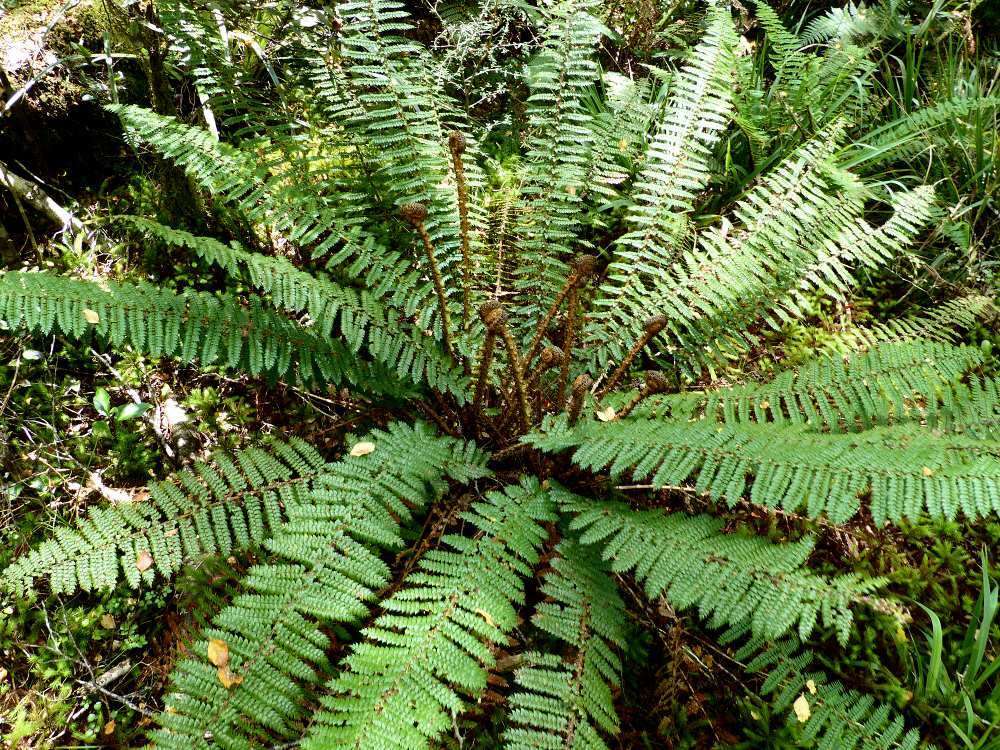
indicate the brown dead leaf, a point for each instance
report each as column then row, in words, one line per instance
column 228, row 678
column 144, row 561
column 801, row 708
column 606, row 415
column 108, row 621
column 363, row 448
column 109, row 728
column 218, row 652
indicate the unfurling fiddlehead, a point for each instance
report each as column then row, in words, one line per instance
column 651, row 327
column 656, row 382
column 415, row 214
column 578, row 394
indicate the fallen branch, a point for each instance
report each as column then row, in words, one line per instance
column 32, row 193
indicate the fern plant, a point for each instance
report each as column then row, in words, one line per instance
column 549, row 376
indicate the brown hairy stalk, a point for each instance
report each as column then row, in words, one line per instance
column 656, row 382
column 578, row 394
column 456, row 143
column 415, row 214
column 490, row 311
column 550, row 357
column 581, row 270
column 650, row 327
column 496, row 324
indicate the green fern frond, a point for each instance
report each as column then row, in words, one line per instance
column 403, row 684
column 677, row 165
column 555, row 167
column 404, row 116
column 786, row 56
column 730, row 578
column 677, row 162
column 974, row 410
column 619, row 129
column 334, row 229
column 889, row 383
column 357, row 318
column 566, row 702
column 907, row 136
column 188, row 325
column 835, row 716
column 905, row 471
column 324, row 568
column 944, row 323
column 716, row 291
column 859, row 245
column 845, row 24
column 217, row 506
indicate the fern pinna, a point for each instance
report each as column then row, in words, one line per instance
column 553, row 378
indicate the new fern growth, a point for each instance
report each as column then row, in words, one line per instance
column 582, row 328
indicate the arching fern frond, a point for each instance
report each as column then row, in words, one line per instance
column 906, row 470
column 785, row 47
column 908, row 136
column 559, row 143
column 677, row 166
column 331, row 228
column 356, row 317
column 323, row 569
column 226, row 503
column 975, row 410
column 858, row 245
column 944, row 322
column 836, row 716
column 188, row 325
column 730, row 578
column 714, row 293
column 403, row 115
column 889, row 383
column 677, row 163
column 404, row 682
column 567, row 701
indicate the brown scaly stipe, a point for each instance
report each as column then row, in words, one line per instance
column 581, row 270
column 457, row 144
column 491, row 313
column 496, row 324
column 655, row 382
column 551, row 356
column 415, row 214
column 578, row 394
column 650, row 327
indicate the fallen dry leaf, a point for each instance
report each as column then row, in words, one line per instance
column 108, row 621
column 363, row 448
column 144, row 561
column 928, row 471
column 218, row 652
column 228, row 678
column 606, row 415
column 811, row 685
column 91, row 316
column 801, row 708
column 109, row 728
